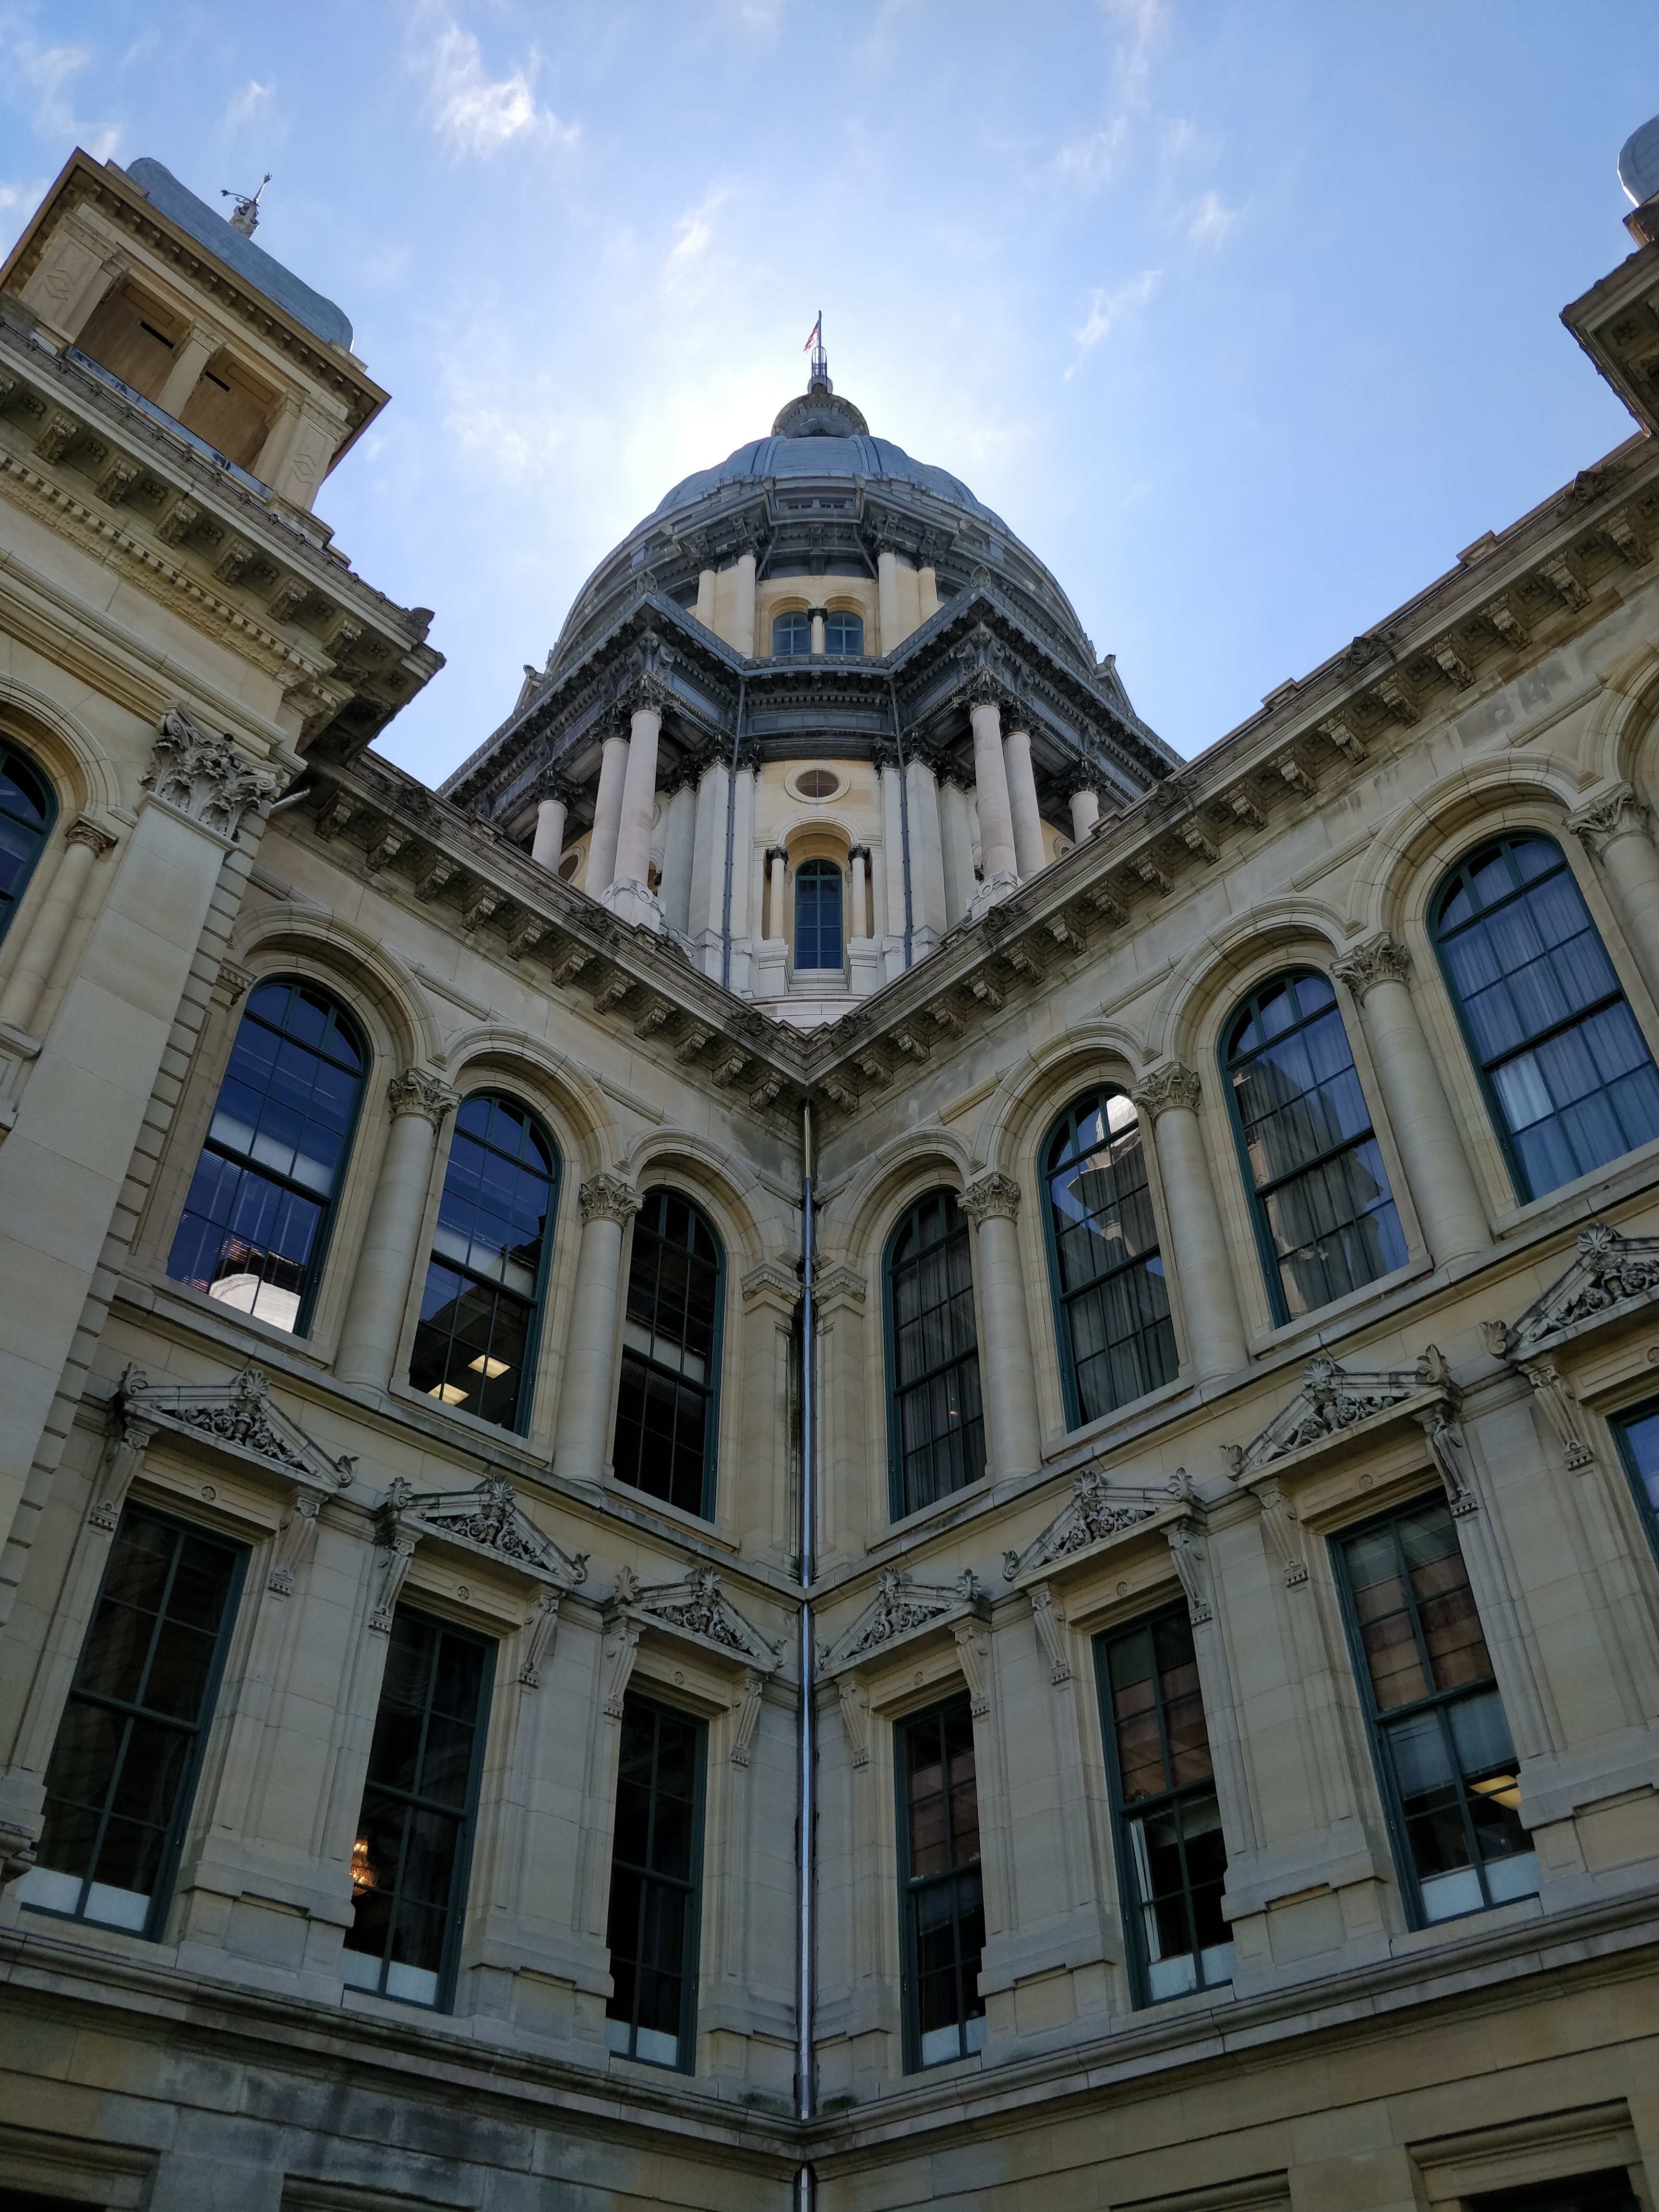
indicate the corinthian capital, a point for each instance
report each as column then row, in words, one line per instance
column 1615, row 813
column 991, row 1197
column 205, row 776
column 609, row 1197
column 1167, row 1086
column 417, row 1090
column 1382, row 959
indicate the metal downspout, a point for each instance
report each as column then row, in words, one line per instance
column 806, row 1806
column 904, row 812
column 731, row 830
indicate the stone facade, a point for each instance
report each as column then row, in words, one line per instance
column 191, row 678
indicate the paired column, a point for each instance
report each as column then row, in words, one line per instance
column 628, row 893
column 1616, row 830
column 991, row 1203
column 38, row 954
column 777, row 879
column 609, row 1202
column 858, row 918
column 743, row 613
column 607, row 816
column 927, row 910
column 552, row 812
column 1085, row 812
column 998, row 862
column 1168, row 1099
column 678, row 842
column 957, row 844
column 1449, row 1210
column 418, row 1102
column 185, row 374
column 1028, row 855
column 887, row 598
column 817, row 617
column 704, row 609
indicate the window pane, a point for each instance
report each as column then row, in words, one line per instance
column 943, row 1897
column 666, row 1401
column 28, row 810
column 651, row 1928
column 938, row 1422
column 1115, row 1321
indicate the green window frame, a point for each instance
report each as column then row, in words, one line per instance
column 668, row 1396
column 818, row 918
column 1567, row 1073
column 1170, row 1850
column 28, row 808
column 941, row 1885
column 654, row 1925
column 1106, row 1280
column 479, row 1331
column 255, row 1229
column 935, row 1413
column 1321, row 1202
column 412, row 1856
column 1637, row 1434
column 123, row 1775
column 1445, row 1761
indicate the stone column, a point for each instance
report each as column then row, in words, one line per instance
column 745, row 922
column 1168, row 1099
column 38, row 950
column 743, row 602
column 628, row 894
column 678, row 839
column 608, row 1201
column 388, row 1257
column 1085, row 812
column 777, row 890
column 708, row 853
column 607, row 816
column 1616, row 830
column 1028, row 854
column 927, row 856
column 999, row 863
column 927, row 592
column 1447, row 1197
column 956, row 840
column 552, row 812
column 991, row 1203
column 858, row 916
column 817, row 617
column 887, row 597
column 890, row 921
column 185, row 374
column 704, row 609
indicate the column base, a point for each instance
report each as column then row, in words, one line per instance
column 864, row 966
column 990, row 893
column 636, row 902
column 771, row 968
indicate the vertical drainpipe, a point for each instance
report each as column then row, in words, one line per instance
column 731, row 832
column 904, row 812
column 806, row 1808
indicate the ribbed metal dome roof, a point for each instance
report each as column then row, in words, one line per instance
column 818, row 455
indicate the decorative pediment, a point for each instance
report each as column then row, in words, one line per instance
column 240, row 1416
column 695, row 1608
column 1334, row 1400
column 1609, row 1274
column 900, row 1609
column 1094, row 1514
column 487, row 1519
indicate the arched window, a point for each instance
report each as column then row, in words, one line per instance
column 475, row 1345
column 1325, row 1218
column 27, row 811
column 818, row 914
column 792, row 633
column 668, row 1404
column 843, row 635
column 1112, row 1302
column 1568, row 1078
column 935, row 1422
column 256, row 1222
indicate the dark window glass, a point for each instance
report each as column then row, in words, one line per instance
column 818, row 915
column 792, row 633
column 935, row 1422
column 655, row 1867
column 122, row 1770
column 1324, row 1214
column 415, row 1832
column 1171, row 1857
column 255, row 1222
column 843, row 635
column 1442, row 1744
column 667, row 1404
column 941, row 1898
column 1607, row 2191
column 476, row 1339
column 1116, row 1342
column 27, row 811
column 1569, row 1081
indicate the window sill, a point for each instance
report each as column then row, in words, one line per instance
column 924, row 1516
column 228, row 1323
column 1573, row 1198
column 1099, row 1430
column 1312, row 1326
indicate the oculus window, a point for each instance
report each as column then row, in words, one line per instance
column 1443, row 1747
column 790, row 633
column 1569, row 1080
column 843, row 635
column 668, row 1401
column 409, row 1864
column 941, row 1891
column 1325, row 1217
column 935, row 1421
column 656, row 1856
column 475, row 1345
column 124, row 1769
column 1111, row 1301
column 1172, row 1861
column 255, row 1224
column 818, row 915
column 28, row 810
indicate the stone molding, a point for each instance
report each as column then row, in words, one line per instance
column 990, row 1198
column 609, row 1197
column 1382, row 959
column 1334, row 1399
column 1166, row 1086
column 1094, row 1514
column 203, row 775
column 417, row 1090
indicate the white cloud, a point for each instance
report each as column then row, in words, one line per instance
column 688, row 260
column 1210, row 221
column 763, row 15
column 23, row 197
column 48, row 70
column 1107, row 310
column 478, row 116
column 1090, row 161
column 252, row 100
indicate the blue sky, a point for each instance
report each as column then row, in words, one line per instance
column 1244, row 316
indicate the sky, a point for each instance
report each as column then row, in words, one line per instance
column 1243, row 313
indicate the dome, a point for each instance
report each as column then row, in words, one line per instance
column 820, row 454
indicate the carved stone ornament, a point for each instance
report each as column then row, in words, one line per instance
column 1091, row 1514
column 902, row 1608
column 1555, row 1398
column 1166, row 1086
column 1615, row 813
column 609, row 1197
column 488, row 1518
column 992, row 1197
column 1382, row 959
column 239, row 1416
column 1610, row 1273
column 1333, row 1399
column 694, row 1606
column 205, row 776
column 417, row 1090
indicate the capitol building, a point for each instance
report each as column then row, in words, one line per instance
column 835, row 1441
